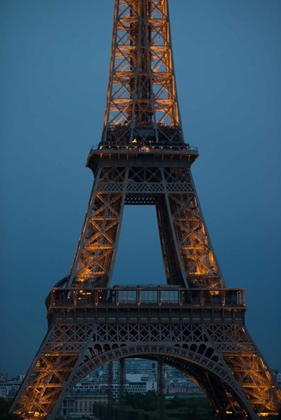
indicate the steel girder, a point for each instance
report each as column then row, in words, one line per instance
column 219, row 355
column 188, row 256
column 142, row 159
column 141, row 97
column 210, row 345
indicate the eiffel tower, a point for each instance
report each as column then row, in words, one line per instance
column 193, row 322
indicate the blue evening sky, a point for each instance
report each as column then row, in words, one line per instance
column 55, row 61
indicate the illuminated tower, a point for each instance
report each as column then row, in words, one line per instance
column 194, row 323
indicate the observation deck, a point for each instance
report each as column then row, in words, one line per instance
column 153, row 295
column 150, row 154
column 151, row 304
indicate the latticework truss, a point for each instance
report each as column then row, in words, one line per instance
column 195, row 324
column 208, row 342
column 187, row 252
column 98, row 241
column 142, row 101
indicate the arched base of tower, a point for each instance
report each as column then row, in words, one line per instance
column 206, row 344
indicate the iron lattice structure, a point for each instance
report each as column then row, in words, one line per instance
column 194, row 323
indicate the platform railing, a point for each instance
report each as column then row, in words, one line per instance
column 145, row 148
column 143, row 296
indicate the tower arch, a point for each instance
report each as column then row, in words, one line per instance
column 208, row 372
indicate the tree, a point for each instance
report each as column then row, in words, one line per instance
column 4, row 411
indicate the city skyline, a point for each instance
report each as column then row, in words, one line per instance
column 55, row 80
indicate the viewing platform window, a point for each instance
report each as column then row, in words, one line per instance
column 148, row 296
column 127, row 296
column 154, row 295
